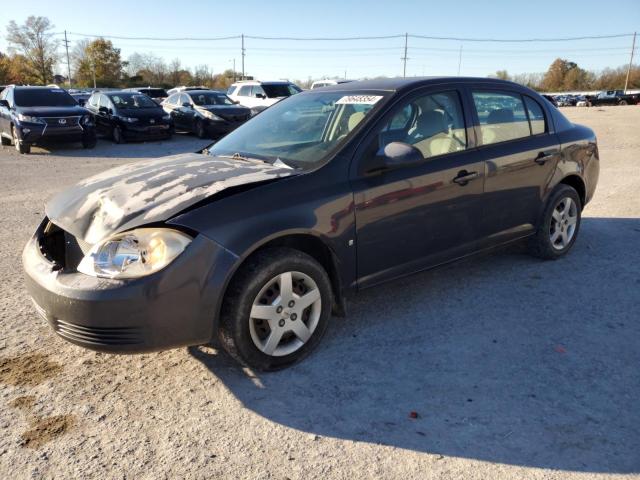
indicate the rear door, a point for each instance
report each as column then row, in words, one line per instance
column 520, row 151
column 5, row 114
column 417, row 216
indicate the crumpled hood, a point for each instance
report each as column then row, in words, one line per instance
column 149, row 191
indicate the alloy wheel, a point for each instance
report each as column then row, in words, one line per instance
column 564, row 219
column 285, row 313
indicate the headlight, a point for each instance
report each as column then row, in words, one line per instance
column 166, row 117
column 86, row 120
column 211, row 116
column 129, row 119
column 135, row 253
column 29, row 119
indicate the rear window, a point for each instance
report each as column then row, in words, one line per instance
column 502, row 116
column 43, row 97
column 154, row 92
column 280, row 90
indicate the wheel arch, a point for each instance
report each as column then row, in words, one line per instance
column 578, row 184
column 306, row 242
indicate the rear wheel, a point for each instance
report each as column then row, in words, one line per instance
column 19, row 144
column 624, row 102
column 559, row 226
column 276, row 309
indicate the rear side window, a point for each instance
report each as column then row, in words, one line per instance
column 536, row 116
column 502, row 116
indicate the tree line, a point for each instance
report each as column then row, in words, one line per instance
column 34, row 52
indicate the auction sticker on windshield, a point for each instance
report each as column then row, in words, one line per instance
column 359, row 100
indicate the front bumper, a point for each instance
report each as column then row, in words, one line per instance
column 222, row 128
column 141, row 132
column 35, row 132
column 174, row 307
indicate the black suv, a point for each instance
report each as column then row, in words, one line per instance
column 31, row 115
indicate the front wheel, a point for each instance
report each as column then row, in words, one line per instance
column 200, row 129
column 558, row 229
column 276, row 309
column 116, row 134
column 21, row 147
column 89, row 142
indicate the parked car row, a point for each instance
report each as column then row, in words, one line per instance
column 607, row 97
column 32, row 115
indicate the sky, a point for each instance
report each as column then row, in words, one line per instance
column 302, row 60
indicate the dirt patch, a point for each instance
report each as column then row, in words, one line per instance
column 28, row 370
column 43, row 430
column 24, row 404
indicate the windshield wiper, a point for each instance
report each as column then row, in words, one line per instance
column 244, row 158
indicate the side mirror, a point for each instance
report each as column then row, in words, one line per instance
column 396, row 155
column 103, row 110
column 4, row 103
column 260, row 95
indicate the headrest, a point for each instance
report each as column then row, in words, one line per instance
column 355, row 119
column 501, row 115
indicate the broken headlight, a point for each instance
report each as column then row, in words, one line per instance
column 135, row 253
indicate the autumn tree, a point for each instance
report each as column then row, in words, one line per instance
column 565, row 75
column 35, row 42
column 100, row 58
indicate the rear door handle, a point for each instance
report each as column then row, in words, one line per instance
column 543, row 156
column 465, row 177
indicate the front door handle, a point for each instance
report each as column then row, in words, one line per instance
column 542, row 157
column 465, row 177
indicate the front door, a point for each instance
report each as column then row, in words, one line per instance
column 418, row 216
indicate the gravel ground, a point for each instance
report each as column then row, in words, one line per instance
column 517, row 368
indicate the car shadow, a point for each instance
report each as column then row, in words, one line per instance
column 502, row 358
column 105, row 148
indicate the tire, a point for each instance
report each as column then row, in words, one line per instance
column 21, row 147
column 5, row 141
column 116, row 135
column 89, row 142
column 199, row 129
column 624, row 102
column 257, row 284
column 559, row 225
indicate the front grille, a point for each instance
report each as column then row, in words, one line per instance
column 62, row 122
column 236, row 118
column 98, row 335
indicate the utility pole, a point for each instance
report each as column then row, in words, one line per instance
column 243, row 56
column 66, row 45
column 405, row 58
column 459, row 60
column 633, row 47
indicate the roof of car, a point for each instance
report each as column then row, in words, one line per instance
column 260, row 82
column 398, row 83
column 190, row 92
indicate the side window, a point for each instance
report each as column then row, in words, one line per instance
column 245, row 91
column 104, row 101
column 536, row 116
column 3, row 94
column 257, row 90
column 502, row 116
column 183, row 99
column 172, row 99
column 433, row 123
column 231, row 89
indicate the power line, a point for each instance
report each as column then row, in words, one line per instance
column 378, row 37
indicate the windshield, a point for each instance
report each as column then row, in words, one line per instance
column 132, row 100
column 300, row 131
column 210, row 98
column 280, row 90
column 43, row 97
